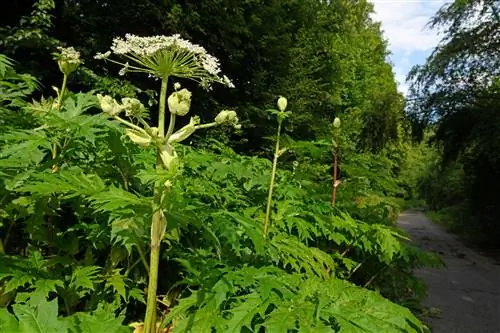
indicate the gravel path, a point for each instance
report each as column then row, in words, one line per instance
column 467, row 291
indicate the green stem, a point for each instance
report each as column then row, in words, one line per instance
column 158, row 222
column 161, row 111
column 129, row 124
column 129, row 269
column 2, row 249
column 271, row 185
column 61, row 93
column 335, row 152
column 143, row 257
column 171, row 126
column 206, row 125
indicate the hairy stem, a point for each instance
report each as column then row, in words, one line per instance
column 334, row 183
column 157, row 232
column 161, row 110
column 158, row 222
column 271, row 183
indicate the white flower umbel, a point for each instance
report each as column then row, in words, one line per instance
column 164, row 56
column 68, row 59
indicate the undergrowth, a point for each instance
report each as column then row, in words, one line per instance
column 75, row 240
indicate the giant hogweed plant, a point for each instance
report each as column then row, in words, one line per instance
column 163, row 58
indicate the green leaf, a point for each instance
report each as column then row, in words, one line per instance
column 42, row 289
column 8, row 322
column 241, row 315
column 39, row 318
column 117, row 282
column 85, row 277
column 99, row 321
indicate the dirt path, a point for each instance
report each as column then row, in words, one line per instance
column 467, row 291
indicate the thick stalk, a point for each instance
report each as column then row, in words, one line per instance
column 60, row 97
column 157, row 231
column 271, row 183
column 334, row 183
column 334, row 190
column 55, row 167
column 158, row 224
column 61, row 93
column 161, row 110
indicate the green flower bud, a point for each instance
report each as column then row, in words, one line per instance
column 226, row 116
column 109, row 105
column 336, row 122
column 282, row 103
column 133, row 107
column 142, row 139
column 180, row 102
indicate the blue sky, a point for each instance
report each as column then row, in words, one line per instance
column 404, row 25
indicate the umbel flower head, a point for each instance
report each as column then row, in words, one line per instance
column 164, row 56
column 68, row 59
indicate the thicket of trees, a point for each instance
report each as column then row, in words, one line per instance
column 457, row 93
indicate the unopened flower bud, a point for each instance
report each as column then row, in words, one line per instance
column 177, row 86
column 109, row 105
column 282, row 103
column 336, row 122
column 227, row 116
column 180, row 102
column 132, row 106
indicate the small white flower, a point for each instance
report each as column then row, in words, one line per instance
column 177, row 86
column 124, row 70
column 227, row 82
column 101, row 56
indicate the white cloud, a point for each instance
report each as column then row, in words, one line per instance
column 404, row 26
column 404, row 23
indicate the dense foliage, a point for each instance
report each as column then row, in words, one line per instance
column 91, row 187
column 457, row 93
